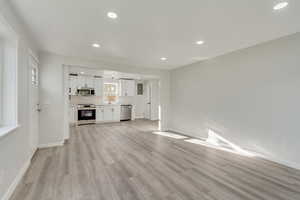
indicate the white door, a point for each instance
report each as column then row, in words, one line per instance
column 33, row 103
column 148, row 101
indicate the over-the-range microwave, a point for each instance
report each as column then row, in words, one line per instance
column 86, row 92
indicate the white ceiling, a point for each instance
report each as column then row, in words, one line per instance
column 147, row 30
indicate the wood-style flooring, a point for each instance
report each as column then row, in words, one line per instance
column 125, row 161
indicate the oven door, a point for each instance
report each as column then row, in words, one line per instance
column 86, row 114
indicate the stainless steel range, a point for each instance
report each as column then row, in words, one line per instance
column 86, row 114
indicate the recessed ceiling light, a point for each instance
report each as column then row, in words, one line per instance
column 163, row 58
column 200, row 42
column 96, row 45
column 112, row 15
column 280, row 5
column 81, row 72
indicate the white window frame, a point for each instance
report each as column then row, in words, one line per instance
column 1, row 75
column 8, row 79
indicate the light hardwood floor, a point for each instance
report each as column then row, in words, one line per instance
column 125, row 161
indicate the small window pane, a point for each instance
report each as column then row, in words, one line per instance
column 34, row 76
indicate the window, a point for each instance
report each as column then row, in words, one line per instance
column 34, row 76
column 1, row 79
column 8, row 78
column 110, row 92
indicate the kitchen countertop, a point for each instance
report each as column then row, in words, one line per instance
column 97, row 105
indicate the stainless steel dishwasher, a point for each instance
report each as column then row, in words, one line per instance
column 126, row 112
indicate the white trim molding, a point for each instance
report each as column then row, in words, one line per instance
column 16, row 181
column 49, row 145
column 7, row 195
column 7, row 129
column 257, row 154
column 281, row 162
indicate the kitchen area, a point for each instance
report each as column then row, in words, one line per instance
column 101, row 96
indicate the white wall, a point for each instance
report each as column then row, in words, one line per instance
column 14, row 147
column 51, row 93
column 251, row 97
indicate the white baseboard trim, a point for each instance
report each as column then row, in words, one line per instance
column 281, row 162
column 17, row 179
column 139, row 117
column 275, row 160
column 54, row 144
column 186, row 133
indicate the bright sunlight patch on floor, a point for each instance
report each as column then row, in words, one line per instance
column 169, row 134
column 207, row 144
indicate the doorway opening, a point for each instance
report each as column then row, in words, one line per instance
column 33, row 74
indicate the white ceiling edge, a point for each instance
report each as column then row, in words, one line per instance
column 109, row 64
column 97, row 62
column 236, row 50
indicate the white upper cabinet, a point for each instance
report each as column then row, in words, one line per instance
column 80, row 81
column 89, row 81
column 127, row 87
column 98, row 85
column 85, row 81
column 73, row 84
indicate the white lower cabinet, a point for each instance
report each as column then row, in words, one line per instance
column 116, row 113
column 99, row 113
column 72, row 114
column 108, row 113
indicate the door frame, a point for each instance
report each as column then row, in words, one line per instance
column 148, row 100
column 66, row 101
column 32, row 59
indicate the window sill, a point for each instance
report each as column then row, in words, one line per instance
column 4, row 131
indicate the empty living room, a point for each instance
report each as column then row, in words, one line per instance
column 149, row 100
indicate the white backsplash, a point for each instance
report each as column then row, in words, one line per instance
column 99, row 100
column 86, row 100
